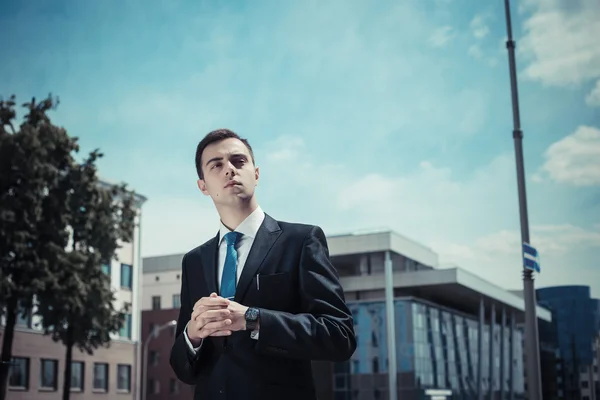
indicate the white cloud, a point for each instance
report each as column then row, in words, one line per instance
column 479, row 27
column 475, row 51
column 497, row 256
column 480, row 30
column 558, row 41
column 427, row 201
column 593, row 98
column 550, row 240
column 575, row 159
column 463, row 219
column 177, row 225
column 441, row 36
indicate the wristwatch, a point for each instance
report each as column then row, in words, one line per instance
column 252, row 315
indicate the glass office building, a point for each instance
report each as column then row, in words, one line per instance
column 436, row 348
column 575, row 325
column 576, row 320
column 456, row 335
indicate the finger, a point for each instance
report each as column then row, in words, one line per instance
column 212, row 301
column 220, row 333
column 203, row 309
column 214, row 315
column 196, row 314
column 216, row 325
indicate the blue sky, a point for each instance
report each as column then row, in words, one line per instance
column 362, row 115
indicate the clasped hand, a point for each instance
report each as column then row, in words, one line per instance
column 215, row 316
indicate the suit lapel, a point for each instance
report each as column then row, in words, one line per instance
column 266, row 236
column 209, row 264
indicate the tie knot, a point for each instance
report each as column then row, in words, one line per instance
column 232, row 238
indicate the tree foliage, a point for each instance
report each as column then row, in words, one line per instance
column 33, row 163
column 58, row 225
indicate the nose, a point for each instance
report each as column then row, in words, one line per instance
column 230, row 170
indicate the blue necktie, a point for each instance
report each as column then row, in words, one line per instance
column 229, row 278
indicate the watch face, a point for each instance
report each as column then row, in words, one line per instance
column 252, row 314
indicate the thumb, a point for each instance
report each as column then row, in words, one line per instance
column 213, row 294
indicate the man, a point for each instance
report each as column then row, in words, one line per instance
column 261, row 299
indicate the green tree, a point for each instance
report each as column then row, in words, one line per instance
column 58, row 225
column 78, row 308
column 34, row 159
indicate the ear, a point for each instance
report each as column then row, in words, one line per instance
column 256, row 175
column 202, row 186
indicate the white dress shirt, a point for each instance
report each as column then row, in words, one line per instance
column 248, row 228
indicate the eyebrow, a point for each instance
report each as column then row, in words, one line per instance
column 214, row 159
column 234, row 155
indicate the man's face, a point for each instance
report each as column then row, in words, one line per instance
column 229, row 173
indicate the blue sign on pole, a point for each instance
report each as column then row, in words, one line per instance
column 531, row 258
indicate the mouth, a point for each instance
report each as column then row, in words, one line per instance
column 232, row 183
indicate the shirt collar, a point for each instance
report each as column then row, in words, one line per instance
column 248, row 227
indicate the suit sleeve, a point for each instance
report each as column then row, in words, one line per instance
column 185, row 361
column 325, row 328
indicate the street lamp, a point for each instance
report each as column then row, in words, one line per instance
column 152, row 335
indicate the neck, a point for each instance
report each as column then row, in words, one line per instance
column 232, row 217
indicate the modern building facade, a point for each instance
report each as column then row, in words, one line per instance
column 453, row 331
column 112, row 372
column 576, row 325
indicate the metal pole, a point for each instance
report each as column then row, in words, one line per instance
column 534, row 384
column 492, row 343
column 152, row 335
column 391, row 326
column 480, row 350
column 503, row 360
column 138, row 295
column 511, row 357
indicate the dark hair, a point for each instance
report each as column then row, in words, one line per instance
column 213, row 137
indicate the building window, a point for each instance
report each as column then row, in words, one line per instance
column 106, row 269
column 151, row 328
column 176, row 301
column 101, row 376
column 77, row 376
column 48, row 374
column 157, row 278
column 153, row 358
column 125, row 331
column 126, row 276
column 173, row 386
column 19, row 373
column 24, row 317
column 153, row 386
column 374, row 341
column 124, row 378
column 156, row 302
column 375, row 365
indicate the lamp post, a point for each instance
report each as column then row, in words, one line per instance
column 152, row 335
column 532, row 350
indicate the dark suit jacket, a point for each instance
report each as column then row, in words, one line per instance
column 303, row 317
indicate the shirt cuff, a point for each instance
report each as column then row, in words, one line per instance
column 193, row 349
column 254, row 335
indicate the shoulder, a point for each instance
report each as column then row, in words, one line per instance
column 301, row 231
column 196, row 253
